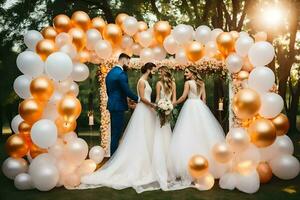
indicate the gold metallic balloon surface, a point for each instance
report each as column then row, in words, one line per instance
column 16, row 146
column 281, row 123
column 198, row 166
column 243, row 75
column 161, row 30
column 120, row 18
column 49, row 33
column 62, row 23
column 264, row 171
column 225, row 43
column 142, row 26
column 65, row 127
column 247, row 66
column 69, row 108
column 81, row 20
column 79, row 38
column 34, row 150
column 113, row 34
column 222, row 152
column 219, row 56
column 194, row 51
column 45, row 47
column 31, row 110
column 24, row 127
column 41, row 88
column 99, row 24
column 83, row 56
column 246, row 103
column 262, row 132
column 234, row 34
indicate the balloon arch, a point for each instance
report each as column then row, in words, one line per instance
column 256, row 146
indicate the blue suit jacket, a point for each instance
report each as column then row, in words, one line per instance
column 118, row 90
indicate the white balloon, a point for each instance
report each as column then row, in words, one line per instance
column 30, row 63
column 97, row 154
column 248, row 183
column 146, row 55
column 15, row 122
column 238, row 139
column 56, row 97
column 74, row 88
column 182, row 33
column 42, row 159
column 261, row 53
column 127, row 42
column 77, row 150
column 145, row 38
column 180, row 57
column 93, row 36
column 211, row 48
column 205, row 182
column 215, row 33
column 285, row 167
column 136, row 49
column 243, row 44
column 45, row 177
column 31, row 38
column 103, row 49
column 170, row 44
column 68, row 137
column 44, row 133
column 59, row 66
column 23, row 181
column 63, row 38
column 243, row 34
column 261, row 79
column 228, row 181
column 57, row 150
column 159, row 53
column 80, row 72
column 203, row 34
column 234, row 63
column 21, row 86
column 11, row 167
column 271, row 105
column 69, row 49
column 130, row 25
column 247, row 160
column 50, row 112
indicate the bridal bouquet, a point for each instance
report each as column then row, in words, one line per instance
column 164, row 111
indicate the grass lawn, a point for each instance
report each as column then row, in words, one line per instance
column 276, row 189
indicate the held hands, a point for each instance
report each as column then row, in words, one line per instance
column 131, row 104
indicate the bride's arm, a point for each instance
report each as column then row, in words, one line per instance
column 184, row 94
column 203, row 93
column 158, row 88
column 174, row 93
column 141, row 88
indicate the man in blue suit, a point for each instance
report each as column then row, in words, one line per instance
column 118, row 91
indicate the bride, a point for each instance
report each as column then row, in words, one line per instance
column 131, row 165
column 195, row 132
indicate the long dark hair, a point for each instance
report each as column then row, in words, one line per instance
column 198, row 79
column 147, row 66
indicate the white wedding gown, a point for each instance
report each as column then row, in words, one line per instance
column 131, row 165
column 195, row 132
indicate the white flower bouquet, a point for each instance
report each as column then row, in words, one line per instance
column 164, row 111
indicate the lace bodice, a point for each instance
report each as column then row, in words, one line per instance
column 147, row 91
column 193, row 94
column 163, row 95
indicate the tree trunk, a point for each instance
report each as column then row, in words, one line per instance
column 294, row 110
column 1, row 120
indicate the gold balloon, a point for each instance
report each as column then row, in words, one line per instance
column 235, row 35
column 44, row 48
column 113, row 34
column 41, row 88
column 24, row 131
column 246, row 103
column 83, row 56
column 99, row 24
column 81, row 20
column 225, row 43
column 34, row 150
column 16, row 146
column 198, row 166
column 194, row 51
column 222, row 153
column 243, row 75
column 120, row 19
column 247, row 66
column 62, row 23
column 264, row 171
column 136, row 37
column 49, row 33
column 219, row 56
column 260, row 36
column 69, row 108
column 142, row 26
column 262, row 132
column 31, row 110
column 79, row 38
column 65, row 127
column 281, row 123
column 161, row 30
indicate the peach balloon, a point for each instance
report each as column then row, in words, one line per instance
column 81, row 20
column 62, row 23
column 222, row 152
column 142, row 26
column 198, row 166
column 72, row 180
column 49, row 33
column 260, row 36
column 113, row 34
column 87, row 166
column 281, row 123
column 41, row 88
column 161, row 30
column 225, row 43
column 264, row 171
column 120, row 18
column 31, row 110
column 194, row 51
column 83, row 56
column 69, row 108
column 16, row 146
column 65, row 127
column 247, row 66
column 235, row 35
column 99, row 24
column 45, row 47
column 79, row 38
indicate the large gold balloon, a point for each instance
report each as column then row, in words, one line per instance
column 262, row 132
column 264, row 171
column 49, row 33
column 44, row 48
column 65, row 127
column 24, row 131
column 113, row 34
column 62, row 23
column 81, row 20
column 246, row 103
column 235, row 35
column 247, row 66
column 225, row 43
column 41, row 88
column 99, row 24
column 243, row 75
column 194, row 51
column 83, row 56
column 79, row 38
column 69, row 108
column 34, row 150
column 219, row 56
column 198, row 166
column 120, row 19
column 222, row 152
column 16, row 146
column 142, row 26
column 281, row 123
column 161, row 30
column 31, row 110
